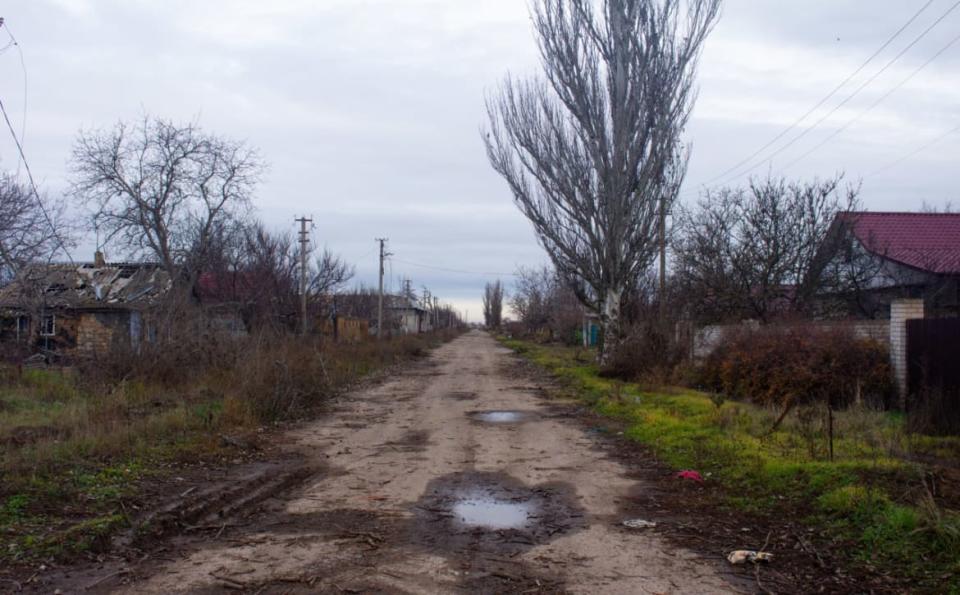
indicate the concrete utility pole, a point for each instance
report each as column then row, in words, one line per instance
column 383, row 255
column 425, row 302
column 436, row 312
column 304, row 240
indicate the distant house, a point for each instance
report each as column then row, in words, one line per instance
column 344, row 329
column 356, row 313
column 81, row 309
column 406, row 316
column 225, row 300
column 912, row 255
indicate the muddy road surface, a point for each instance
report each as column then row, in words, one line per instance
column 453, row 475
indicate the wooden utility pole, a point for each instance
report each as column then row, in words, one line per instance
column 304, row 240
column 383, row 255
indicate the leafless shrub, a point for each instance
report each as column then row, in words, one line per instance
column 546, row 306
column 648, row 354
column 760, row 252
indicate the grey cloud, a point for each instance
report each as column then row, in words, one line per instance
column 369, row 110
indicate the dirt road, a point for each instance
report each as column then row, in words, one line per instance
column 455, row 475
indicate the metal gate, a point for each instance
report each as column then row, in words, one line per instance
column 933, row 361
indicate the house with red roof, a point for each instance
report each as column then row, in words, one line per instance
column 900, row 256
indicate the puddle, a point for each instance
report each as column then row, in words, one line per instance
column 494, row 512
column 491, row 513
column 502, row 417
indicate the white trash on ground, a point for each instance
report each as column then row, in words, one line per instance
column 638, row 524
column 744, row 556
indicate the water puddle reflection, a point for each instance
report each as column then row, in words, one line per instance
column 502, row 417
column 484, row 511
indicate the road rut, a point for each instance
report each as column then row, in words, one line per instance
column 405, row 468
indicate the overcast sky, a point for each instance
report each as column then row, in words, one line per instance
column 368, row 111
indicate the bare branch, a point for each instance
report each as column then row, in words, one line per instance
column 163, row 190
column 592, row 150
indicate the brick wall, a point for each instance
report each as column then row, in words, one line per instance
column 708, row 338
column 900, row 312
column 97, row 331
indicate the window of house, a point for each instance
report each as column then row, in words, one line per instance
column 48, row 326
column 23, row 327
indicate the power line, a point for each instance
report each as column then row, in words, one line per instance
column 33, row 184
column 846, row 100
column 825, row 99
column 873, row 105
column 457, row 271
column 23, row 68
column 916, row 151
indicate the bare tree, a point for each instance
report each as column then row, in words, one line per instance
column 760, row 252
column 946, row 207
column 543, row 302
column 162, row 190
column 493, row 304
column 529, row 300
column 32, row 228
column 329, row 273
column 259, row 270
column 359, row 302
column 592, row 152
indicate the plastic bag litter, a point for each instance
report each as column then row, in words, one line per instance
column 638, row 524
column 744, row 556
column 689, row 474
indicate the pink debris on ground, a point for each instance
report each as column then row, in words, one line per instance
column 695, row 476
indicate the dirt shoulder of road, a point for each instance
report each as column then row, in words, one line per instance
column 191, row 495
column 372, row 498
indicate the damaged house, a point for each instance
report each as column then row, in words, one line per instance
column 81, row 309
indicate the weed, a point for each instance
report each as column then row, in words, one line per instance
column 76, row 442
column 763, row 470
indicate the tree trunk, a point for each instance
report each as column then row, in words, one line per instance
column 610, row 324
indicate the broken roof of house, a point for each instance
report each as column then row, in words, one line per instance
column 78, row 286
column 401, row 302
column 925, row 241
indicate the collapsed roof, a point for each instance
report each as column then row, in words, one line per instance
column 87, row 286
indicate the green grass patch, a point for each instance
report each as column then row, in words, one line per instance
column 859, row 496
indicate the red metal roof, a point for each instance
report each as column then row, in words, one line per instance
column 926, row 241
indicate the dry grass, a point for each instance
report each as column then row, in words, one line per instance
column 86, row 434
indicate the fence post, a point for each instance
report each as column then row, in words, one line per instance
column 900, row 312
